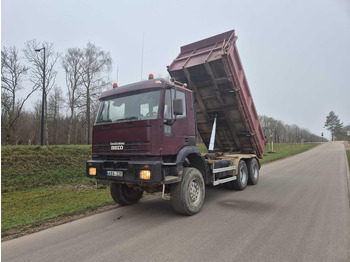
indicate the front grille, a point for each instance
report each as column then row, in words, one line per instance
column 115, row 165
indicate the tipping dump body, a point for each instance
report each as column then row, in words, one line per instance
column 213, row 70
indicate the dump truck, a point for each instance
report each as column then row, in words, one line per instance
column 145, row 134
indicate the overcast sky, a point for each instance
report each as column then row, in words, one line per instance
column 296, row 54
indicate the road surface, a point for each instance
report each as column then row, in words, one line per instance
column 299, row 211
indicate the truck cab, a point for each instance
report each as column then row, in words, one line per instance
column 139, row 132
column 139, row 120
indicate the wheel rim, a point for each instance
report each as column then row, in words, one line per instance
column 244, row 176
column 195, row 192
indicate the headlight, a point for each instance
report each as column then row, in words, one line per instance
column 92, row 171
column 145, row 174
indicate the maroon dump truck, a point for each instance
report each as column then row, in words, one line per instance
column 144, row 137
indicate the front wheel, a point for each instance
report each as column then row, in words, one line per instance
column 125, row 195
column 187, row 196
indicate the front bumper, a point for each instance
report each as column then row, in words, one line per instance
column 130, row 170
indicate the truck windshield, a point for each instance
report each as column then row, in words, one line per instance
column 127, row 108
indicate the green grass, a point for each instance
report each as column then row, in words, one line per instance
column 348, row 154
column 26, row 167
column 41, row 183
column 283, row 150
column 35, row 206
column 202, row 148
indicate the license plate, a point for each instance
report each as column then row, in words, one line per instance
column 115, row 173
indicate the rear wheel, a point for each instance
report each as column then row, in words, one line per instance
column 125, row 195
column 242, row 177
column 187, row 196
column 253, row 172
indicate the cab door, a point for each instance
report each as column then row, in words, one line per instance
column 177, row 130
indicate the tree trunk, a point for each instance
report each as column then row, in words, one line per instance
column 69, row 131
column 70, row 127
column 46, row 127
column 76, row 132
column 88, row 115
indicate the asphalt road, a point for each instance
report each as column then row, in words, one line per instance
column 299, row 211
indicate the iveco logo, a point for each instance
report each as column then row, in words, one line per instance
column 117, row 145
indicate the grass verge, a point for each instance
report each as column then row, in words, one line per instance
column 37, row 205
column 27, row 167
column 348, row 154
column 284, row 150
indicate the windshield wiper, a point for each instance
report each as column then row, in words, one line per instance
column 127, row 118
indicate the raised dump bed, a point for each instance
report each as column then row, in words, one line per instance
column 213, row 70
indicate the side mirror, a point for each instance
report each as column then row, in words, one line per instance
column 178, row 107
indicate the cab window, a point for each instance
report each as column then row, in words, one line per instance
column 168, row 108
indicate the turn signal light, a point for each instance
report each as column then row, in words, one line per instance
column 145, row 174
column 92, row 171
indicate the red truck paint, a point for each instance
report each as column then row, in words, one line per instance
column 213, row 64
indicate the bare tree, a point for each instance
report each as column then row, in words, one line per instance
column 26, row 131
column 72, row 64
column 54, row 116
column 95, row 63
column 12, row 76
column 36, row 71
column 279, row 132
column 264, row 122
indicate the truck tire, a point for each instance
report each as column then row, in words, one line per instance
column 242, row 177
column 124, row 195
column 253, row 172
column 187, row 196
